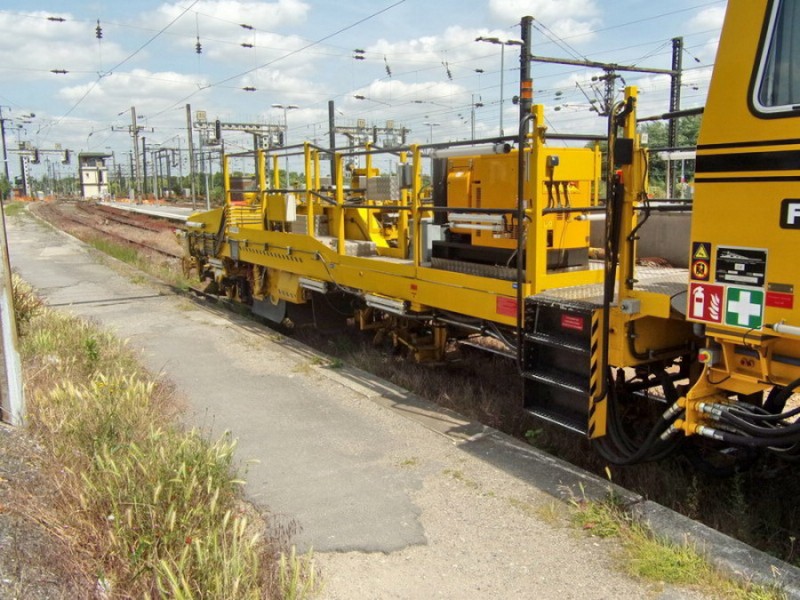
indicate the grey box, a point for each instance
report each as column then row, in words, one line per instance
column 300, row 225
column 383, row 187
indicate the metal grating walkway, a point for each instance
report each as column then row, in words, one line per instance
column 668, row 281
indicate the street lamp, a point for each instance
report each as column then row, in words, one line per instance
column 431, row 126
column 502, row 44
column 286, row 108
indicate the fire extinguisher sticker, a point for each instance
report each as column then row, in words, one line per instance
column 705, row 302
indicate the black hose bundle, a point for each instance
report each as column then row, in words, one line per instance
column 618, row 448
column 756, row 427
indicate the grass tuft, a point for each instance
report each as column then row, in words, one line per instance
column 648, row 557
column 13, row 209
column 148, row 509
column 121, row 252
column 27, row 304
column 297, row 575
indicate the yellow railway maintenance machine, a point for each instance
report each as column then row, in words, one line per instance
column 490, row 239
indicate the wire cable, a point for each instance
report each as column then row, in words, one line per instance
column 118, row 65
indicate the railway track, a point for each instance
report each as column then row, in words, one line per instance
column 124, row 220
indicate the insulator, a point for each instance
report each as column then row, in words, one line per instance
column 98, row 31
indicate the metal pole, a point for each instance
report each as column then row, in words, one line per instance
column 472, row 117
column 502, row 69
column 286, row 143
column 135, row 134
column 144, row 167
column 5, row 151
column 155, row 160
column 525, row 82
column 674, row 105
column 170, row 160
column 191, row 151
column 332, row 137
column 208, row 185
column 675, row 90
column 16, row 396
column 24, row 171
column 180, row 161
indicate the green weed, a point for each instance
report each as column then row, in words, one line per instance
column 13, row 209
column 648, row 557
column 123, row 253
column 297, row 575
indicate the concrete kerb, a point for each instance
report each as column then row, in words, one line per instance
column 552, row 475
column 729, row 556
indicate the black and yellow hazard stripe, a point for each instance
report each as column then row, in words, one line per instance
column 597, row 406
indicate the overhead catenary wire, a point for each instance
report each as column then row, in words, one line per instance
column 287, row 55
column 124, row 61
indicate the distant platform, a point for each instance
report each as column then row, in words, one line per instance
column 173, row 213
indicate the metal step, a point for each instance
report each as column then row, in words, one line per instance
column 556, row 342
column 564, row 381
column 557, row 419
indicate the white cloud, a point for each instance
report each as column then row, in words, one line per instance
column 31, row 46
column 218, row 25
column 455, row 50
column 149, row 91
column 397, row 93
column 458, row 43
column 707, row 19
column 565, row 18
column 283, row 83
column 267, row 47
column 224, row 17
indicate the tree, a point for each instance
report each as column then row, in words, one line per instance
column 657, row 133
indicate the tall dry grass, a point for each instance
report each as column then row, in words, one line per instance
column 148, row 509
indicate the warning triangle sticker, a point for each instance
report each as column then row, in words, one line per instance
column 701, row 251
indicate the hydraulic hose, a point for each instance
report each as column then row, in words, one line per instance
column 764, row 417
column 660, row 442
column 743, row 440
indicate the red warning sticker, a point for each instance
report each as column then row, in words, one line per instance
column 575, row 322
column 506, row 306
column 779, row 300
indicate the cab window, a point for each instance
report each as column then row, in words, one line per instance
column 778, row 78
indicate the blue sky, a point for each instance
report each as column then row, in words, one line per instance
column 301, row 52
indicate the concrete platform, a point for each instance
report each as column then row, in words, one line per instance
column 164, row 211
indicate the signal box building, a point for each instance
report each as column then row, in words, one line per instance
column 93, row 173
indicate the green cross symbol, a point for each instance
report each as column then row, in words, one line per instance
column 744, row 308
